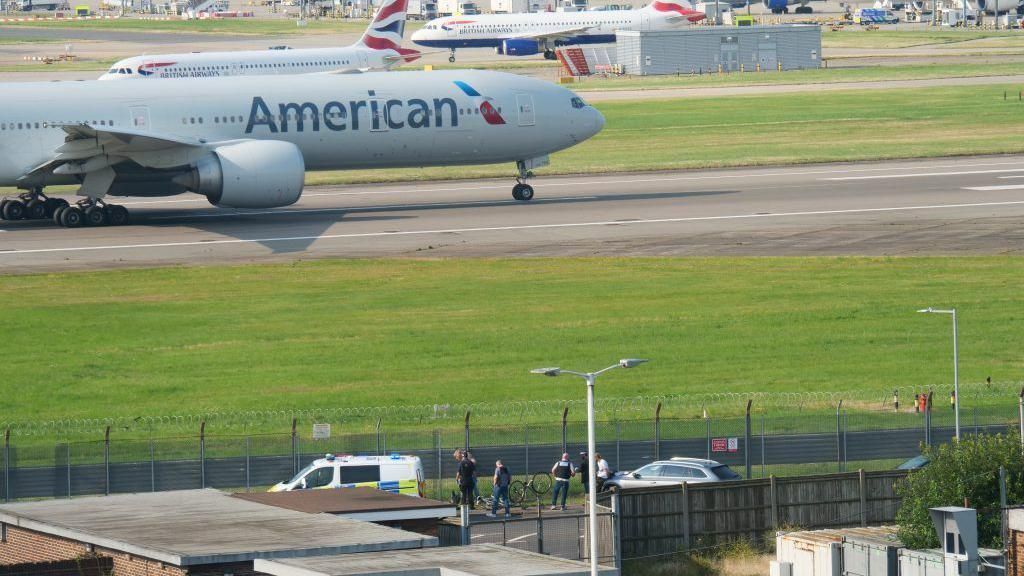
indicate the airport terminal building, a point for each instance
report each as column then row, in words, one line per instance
column 703, row 50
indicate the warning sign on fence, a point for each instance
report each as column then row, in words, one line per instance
column 321, row 431
column 725, row 444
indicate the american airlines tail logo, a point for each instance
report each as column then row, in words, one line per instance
column 150, row 68
column 387, row 29
column 487, row 110
column 690, row 14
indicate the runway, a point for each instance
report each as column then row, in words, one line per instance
column 932, row 207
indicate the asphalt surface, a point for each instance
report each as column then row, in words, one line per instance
column 945, row 206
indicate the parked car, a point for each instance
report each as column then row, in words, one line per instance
column 395, row 473
column 672, row 473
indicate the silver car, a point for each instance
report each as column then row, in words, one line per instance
column 672, row 473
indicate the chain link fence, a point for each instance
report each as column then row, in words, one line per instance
column 757, row 441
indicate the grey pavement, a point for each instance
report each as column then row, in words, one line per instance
column 948, row 206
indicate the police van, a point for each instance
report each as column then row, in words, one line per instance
column 396, row 474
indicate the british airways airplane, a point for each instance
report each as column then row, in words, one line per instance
column 378, row 49
column 247, row 142
column 534, row 33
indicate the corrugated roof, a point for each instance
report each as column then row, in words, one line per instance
column 874, row 534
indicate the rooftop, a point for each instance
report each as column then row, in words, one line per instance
column 475, row 560
column 190, row 527
column 360, row 503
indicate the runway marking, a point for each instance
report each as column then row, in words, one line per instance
column 523, row 537
column 924, row 174
column 1010, row 177
column 210, row 242
column 363, row 208
column 993, row 188
column 586, row 182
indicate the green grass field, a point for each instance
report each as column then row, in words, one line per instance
column 855, row 37
column 800, row 127
column 368, row 333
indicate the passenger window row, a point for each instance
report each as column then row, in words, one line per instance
column 4, row 126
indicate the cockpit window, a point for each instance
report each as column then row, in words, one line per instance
column 578, row 102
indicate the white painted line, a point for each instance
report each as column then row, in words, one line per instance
column 285, row 212
column 993, row 188
column 924, row 174
column 590, row 182
column 1010, row 177
column 507, row 228
column 523, row 537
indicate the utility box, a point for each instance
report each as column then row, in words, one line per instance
column 871, row 555
column 957, row 529
column 713, row 49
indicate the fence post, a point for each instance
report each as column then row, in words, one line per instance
column 1020, row 417
column 707, row 433
column 975, row 410
column 762, row 446
column 152, row 467
column 839, row 439
column 565, row 416
column 106, row 461
column 202, row 454
column 686, row 517
column 6, row 464
column 746, row 439
column 526, row 444
column 618, row 444
column 467, row 432
column 862, row 481
column 440, row 464
column 247, row 452
column 1002, row 511
column 69, row 468
column 657, row 432
column 845, row 428
column 929, row 414
column 295, row 446
column 379, row 453
column 617, row 527
column 773, row 495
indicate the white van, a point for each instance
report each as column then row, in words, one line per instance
column 396, row 474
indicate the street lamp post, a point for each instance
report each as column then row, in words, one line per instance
column 591, row 378
column 956, row 367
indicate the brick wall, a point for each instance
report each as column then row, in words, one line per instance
column 1015, row 554
column 22, row 545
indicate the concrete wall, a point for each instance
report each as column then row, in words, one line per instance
column 703, row 49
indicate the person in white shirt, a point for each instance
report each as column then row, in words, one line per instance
column 603, row 471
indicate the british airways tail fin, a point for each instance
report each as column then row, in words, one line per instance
column 386, row 30
column 674, row 10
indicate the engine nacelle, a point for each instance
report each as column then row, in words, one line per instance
column 519, row 47
column 1001, row 6
column 776, row 6
column 256, row 174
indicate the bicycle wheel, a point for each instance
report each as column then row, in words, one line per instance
column 541, row 483
column 517, row 493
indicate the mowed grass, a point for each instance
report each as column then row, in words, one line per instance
column 253, row 26
column 856, row 37
column 769, row 129
column 384, row 332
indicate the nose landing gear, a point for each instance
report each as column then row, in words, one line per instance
column 522, row 191
column 451, row 58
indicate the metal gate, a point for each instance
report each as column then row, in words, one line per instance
column 767, row 56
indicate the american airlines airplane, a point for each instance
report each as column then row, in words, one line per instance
column 378, row 49
column 247, row 142
column 533, row 33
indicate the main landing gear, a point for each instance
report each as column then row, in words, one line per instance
column 451, row 58
column 522, row 191
column 35, row 205
column 549, row 55
column 90, row 212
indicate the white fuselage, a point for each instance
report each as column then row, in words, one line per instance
column 248, row 63
column 491, row 30
column 370, row 120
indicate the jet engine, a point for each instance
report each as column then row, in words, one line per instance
column 776, row 6
column 517, row 47
column 1000, row 6
column 254, row 174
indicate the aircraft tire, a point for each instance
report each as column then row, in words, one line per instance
column 14, row 210
column 522, row 192
column 117, row 215
column 35, row 210
column 95, row 216
column 57, row 214
column 451, row 59
column 3, row 204
column 71, row 217
column 52, row 204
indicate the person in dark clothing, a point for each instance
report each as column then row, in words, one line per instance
column 501, row 481
column 465, row 477
column 563, row 470
column 583, row 473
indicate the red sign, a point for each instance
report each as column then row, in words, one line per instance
column 719, row 444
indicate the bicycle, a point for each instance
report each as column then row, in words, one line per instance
column 538, row 485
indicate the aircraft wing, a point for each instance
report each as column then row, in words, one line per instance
column 553, row 34
column 93, row 149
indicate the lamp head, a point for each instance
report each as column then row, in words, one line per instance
column 547, row 371
column 631, row 362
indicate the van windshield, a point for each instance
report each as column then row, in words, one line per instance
column 301, row 474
